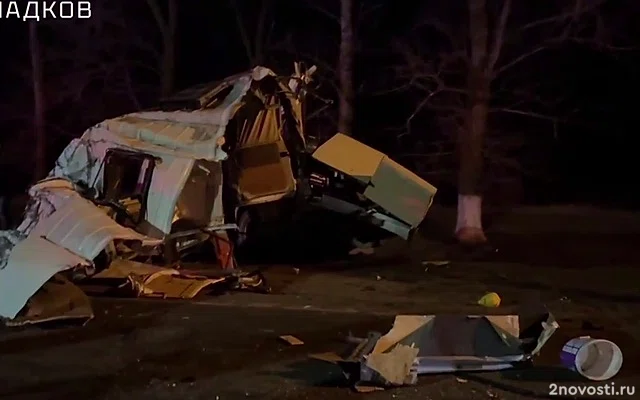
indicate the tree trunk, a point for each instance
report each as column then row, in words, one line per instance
column 469, row 218
column 38, row 104
column 345, row 67
column 168, row 67
column 471, row 138
column 169, row 50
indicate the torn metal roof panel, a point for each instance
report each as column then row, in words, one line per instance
column 190, row 134
column 32, row 262
column 81, row 227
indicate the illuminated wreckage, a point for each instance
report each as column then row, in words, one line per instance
column 133, row 194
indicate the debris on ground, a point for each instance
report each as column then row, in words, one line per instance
column 291, row 340
column 352, row 339
column 396, row 367
column 31, row 263
column 491, row 300
column 436, row 263
column 362, row 388
column 57, row 300
column 248, row 281
column 364, row 248
column 329, row 357
column 595, row 359
column 145, row 280
column 431, row 344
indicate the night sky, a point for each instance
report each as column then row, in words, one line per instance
column 587, row 156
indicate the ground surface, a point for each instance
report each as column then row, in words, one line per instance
column 226, row 347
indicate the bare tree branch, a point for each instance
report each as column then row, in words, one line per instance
column 323, row 11
column 256, row 50
column 522, row 57
column 260, row 32
column 498, row 40
column 573, row 13
column 244, row 36
column 173, row 18
column 446, row 80
column 163, row 26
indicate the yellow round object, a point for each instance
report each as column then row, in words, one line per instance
column 491, row 299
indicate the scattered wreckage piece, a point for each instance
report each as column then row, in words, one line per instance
column 146, row 280
column 397, row 367
column 8, row 240
column 389, row 195
column 291, row 340
column 85, row 229
column 429, row 344
column 130, row 278
column 57, row 300
column 32, row 262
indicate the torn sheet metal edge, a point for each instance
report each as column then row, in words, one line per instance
column 84, row 319
column 376, row 218
column 338, row 205
column 377, row 343
column 196, row 285
column 444, row 364
column 8, row 240
column 374, row 168
column 77, row 306
column 397, row 367
column 45, row 197
column 403, row 326
column 393, row 225
column 436, row 365
column 548, row 328
column 139, row 277
column 267, row 199
column 84, row 229
column 184, row 145
column 32, row 262
column 52, row 183
column 365, row 347
column 349, row 156
column 206, row 229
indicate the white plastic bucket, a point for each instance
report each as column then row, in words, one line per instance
column 595, row 359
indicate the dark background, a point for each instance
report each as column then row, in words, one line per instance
column 583, row 152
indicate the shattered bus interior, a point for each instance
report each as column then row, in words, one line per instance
column 127, row 178
column 136, row 193
column 273, row 171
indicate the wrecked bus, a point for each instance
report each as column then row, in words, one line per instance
column 276, row 171
column 150, row 186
